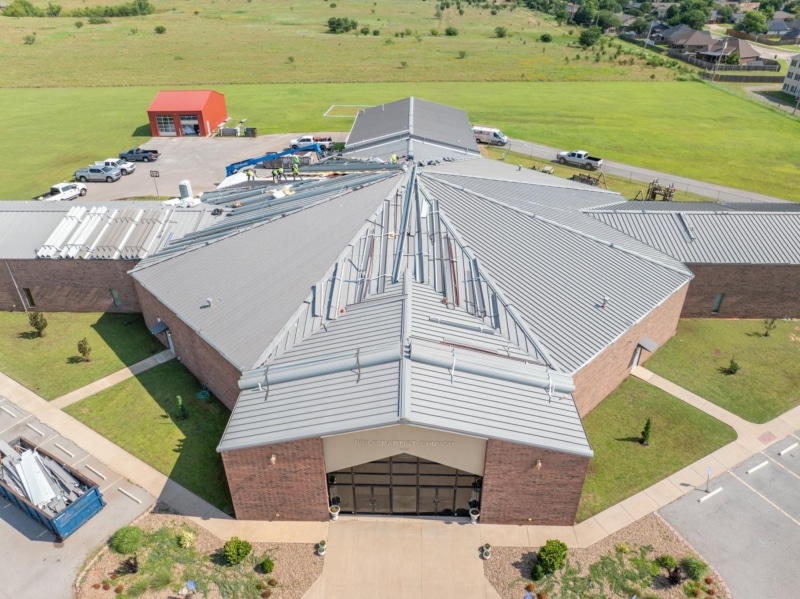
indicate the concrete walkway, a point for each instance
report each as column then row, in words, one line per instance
column 112, row 379
column 710, row 190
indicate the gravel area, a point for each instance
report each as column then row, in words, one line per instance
column 296, row 564
column 509, row 567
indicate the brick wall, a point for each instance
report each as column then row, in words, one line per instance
column 294, row 488
column 751, row 291
column 195, row 353
column 515, row 492
column 68, row 285
column 609, row 368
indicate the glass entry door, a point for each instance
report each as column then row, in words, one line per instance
column 404, row 485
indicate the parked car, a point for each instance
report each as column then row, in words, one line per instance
column 580, row 158
column 126, row 167
column 98, row 173
column 61, row 192
column 326, row 143
column 140, row 155
column 488, row 135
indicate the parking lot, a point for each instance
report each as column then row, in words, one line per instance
column 199, row 160
column 33, row 563
column 748, row 525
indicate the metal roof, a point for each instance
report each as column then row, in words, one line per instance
column 660, row 206
column 258, row 277
column 22, row 232
column 412, row 127
column 557, row 277
column 734, row 237
column 182, row 100
column 382, row 363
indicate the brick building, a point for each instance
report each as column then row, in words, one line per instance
column 186, row 113
column 418, row 338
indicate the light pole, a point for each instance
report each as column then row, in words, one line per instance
column 719, row 58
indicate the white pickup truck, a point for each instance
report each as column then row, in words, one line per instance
column 326, row 143
column 126, row 167
column 61, row 192
column 580, row 158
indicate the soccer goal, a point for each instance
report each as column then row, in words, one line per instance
column 345, row 111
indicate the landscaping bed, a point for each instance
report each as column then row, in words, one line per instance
column 164, row 563
column 51, row 366
column 767, row 383
column 509, row 568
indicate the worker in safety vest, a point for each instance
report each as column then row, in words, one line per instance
column 250, row 174
column 296, row 160
column 281, row 174
column 295, row 171
column 274, row 175
column 393, row 159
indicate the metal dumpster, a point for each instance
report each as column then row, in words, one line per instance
column 58, row 497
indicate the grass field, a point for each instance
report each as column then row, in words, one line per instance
column 51, row 366
column 139, row 415
column 680, row 435
column 655, row 125
column 766, row 386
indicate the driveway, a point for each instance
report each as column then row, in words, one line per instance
column 199, row 160
column 33, row 563
column 750, row 529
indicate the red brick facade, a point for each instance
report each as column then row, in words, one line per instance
column 608, row 369
column 195, row 353
column 515, row 492
column 750, row 291
column 67, row 285
column 293, row 488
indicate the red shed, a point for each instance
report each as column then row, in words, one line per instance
column 186, row 113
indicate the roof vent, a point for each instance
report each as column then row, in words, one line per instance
column 210, row 301
column 604, row 303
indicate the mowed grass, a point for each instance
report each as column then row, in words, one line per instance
column 666, row 126
column 621, row 467
column 236, row 41
column 627, row 187
column 51, row 366
column 140, row 415
column 768, row 382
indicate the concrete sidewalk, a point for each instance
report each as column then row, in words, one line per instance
column 112, row 379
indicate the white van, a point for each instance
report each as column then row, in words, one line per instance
column 487, row 135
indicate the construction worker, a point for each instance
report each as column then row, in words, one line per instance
column 250, row 174
column 281, row 174
column 274, row 175
column 393, row 159
column 296, row 161
column 295, row 171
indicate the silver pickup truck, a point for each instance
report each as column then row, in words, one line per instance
column 98, row 173
column 580, row 158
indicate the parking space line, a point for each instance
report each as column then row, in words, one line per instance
column 790, row 448
column 709, row 495
column 759, row 467
column 765, row 499
column 777, row 463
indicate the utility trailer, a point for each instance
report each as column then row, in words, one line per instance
column 55, row 495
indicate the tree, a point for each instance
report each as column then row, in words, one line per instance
column 725, row 13
column 589, row 37
column 753, row 22
column 182, row 414
column 640, row 26
column 606, row 20
column 769, row 325
column 561, row 15
column 585, row 14
column 695, row 18
column 451, row 32
column 645, row 440
column 732, row 58
column 500, row 31
column 53, row 10
column 84, row 349
column 38, row 322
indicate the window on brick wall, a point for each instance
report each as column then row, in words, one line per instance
column 115, row 298
column 717, row 303
column 29, row 295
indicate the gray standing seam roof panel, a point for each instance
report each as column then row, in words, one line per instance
column 258, row 278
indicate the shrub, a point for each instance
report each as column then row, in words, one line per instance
column 134, row 30
column 403, row 64
column 99, row 20
column 84, row 349
column 552, row 556
column 376, row 32
column 622, row 548
column 769, row 325
column 127, row 539
column 160, row 29
column 693, row 589
column 186, row 539
column 160, row 580
column 500, row 31
column 365, row 31
column 732, row 367
column 435, row 32
column 667, row 562
column 694, row 567
column 546, row 38
column 267, row 565
column 272, row 582
column 341, row 25
column 645, row 440
column 36, row 319
column 589, row 37
column 451, row 31
column 78, row 24
column 462, row 54
column 236, row 550
column 181, row 414
column 29, row 40
column 267, row 593
column 333, row 4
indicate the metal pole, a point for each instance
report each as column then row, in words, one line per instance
column 796, row 104
column 156, row 184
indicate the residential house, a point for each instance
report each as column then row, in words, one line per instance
column 777, row 27
column 695, row 43
column 784, row 16
column 671, row 34
column 660, row 8
column 723, row 49
column 791, row 83
column 793, row 35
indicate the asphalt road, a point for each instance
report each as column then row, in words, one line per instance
column 635, row 173
column 750, row 529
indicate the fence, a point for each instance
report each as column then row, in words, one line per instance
column 762, row 39
column 768, row 64
column 742, row 78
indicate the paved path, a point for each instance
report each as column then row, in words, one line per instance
column 112, row 379
column 635, row 173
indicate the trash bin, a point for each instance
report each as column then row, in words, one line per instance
column 250, row 131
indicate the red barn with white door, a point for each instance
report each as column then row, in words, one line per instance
column 182, row 113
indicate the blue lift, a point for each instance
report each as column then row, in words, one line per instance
column 237, row 166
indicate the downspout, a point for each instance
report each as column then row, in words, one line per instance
column 19, row 293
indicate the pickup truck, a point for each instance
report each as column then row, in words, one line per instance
column 326, row 143
column 98, row 173
column 140, row 155
column 581, row 159
column 61, row 192
column 126, row 167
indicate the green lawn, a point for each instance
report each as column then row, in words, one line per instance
column 680, row 435
column 627, row 187
column 139, row 415
column 51, row 365
column 766, row 386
